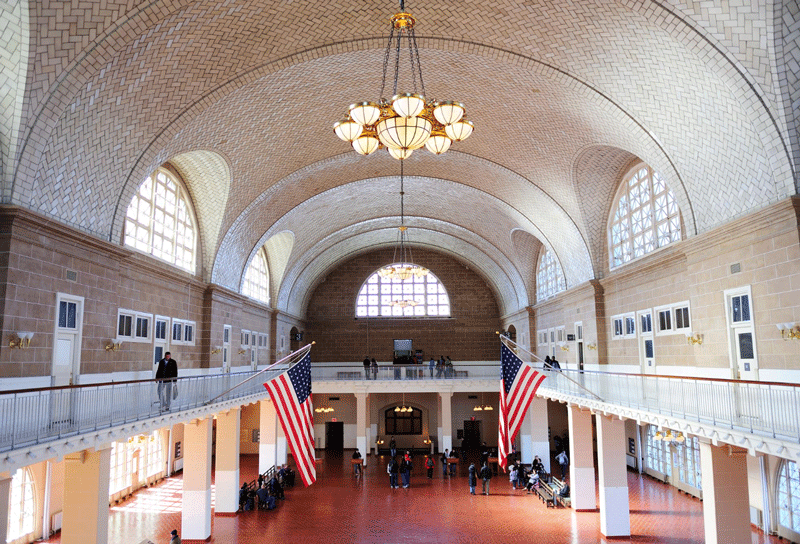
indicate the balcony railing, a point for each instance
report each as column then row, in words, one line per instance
column 36, row 416
column 761, row 408
column 357, row 372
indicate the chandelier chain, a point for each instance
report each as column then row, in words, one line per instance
column 386, row 63
column 413, row 40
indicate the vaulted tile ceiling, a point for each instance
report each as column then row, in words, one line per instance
column 240, row 96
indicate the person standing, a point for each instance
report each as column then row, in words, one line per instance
column 486, row 476
column 367, row 363
column 175, row 538
column 374, row 365
column 453, row 455
column 432, row 365
column 473, row 478
column 429, row 465
column 405, row 473
column 356, row 465
column 563, row 461
column 444, row 463
column 392, row 469
column 166, row 373
column 555, row 364
column 392, row 448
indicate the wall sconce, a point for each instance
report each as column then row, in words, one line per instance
column 669, row 437
column 242, row 351
column 591, row 346
column 426, row 441
column 696, row 338
column 22, row 340
column 789, row 330
column 216, row 350
column 114, row 345
column 565, row 348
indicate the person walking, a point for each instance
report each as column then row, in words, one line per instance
column 175, row 538
column 367, row 364
column 432, row 365
column 429, row 465
column 374, row 366
column 166, row 373
column 486, row 476
column 405, row 472
column 356, row 465
column 473, row 478
column 392, row 469
column 563, row 461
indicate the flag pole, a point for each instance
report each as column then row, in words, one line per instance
column 300, row 352
column 507, row 340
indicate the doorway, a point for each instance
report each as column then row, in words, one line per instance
column 68, row 332
column 334, row 435
column 742, row 339
column 472, row 434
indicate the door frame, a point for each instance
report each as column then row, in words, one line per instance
column 77, row 335
column 642, row 337
column 735, row 328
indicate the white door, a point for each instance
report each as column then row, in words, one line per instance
column 226, row 348
column 646, row 347
column 742, row 337
column 67, row 352
column 160, row 340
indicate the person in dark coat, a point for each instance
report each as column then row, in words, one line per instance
column 429, row 465
column 473, row 478
column 166, row 373
column 556, row 365
column 444, row 463
column 393, row 469
column 392, row 448
column 175, row 538
column 405, row 470
column 275, row 488
column 486, row 476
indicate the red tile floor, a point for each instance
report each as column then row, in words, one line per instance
column 343, row 508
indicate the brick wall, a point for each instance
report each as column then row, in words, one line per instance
column 468, row 335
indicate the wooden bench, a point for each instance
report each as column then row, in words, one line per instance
column 556, row 485
column 545, row 493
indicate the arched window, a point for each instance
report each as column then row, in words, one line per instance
column 549, row 276
column 645, row 217
column 376, row 296
column 409, row 422
column 21, row 506
column 256, row 279
column 789, row 496
column 160, row 221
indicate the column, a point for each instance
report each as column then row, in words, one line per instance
column 367, row 428
column 447, row 420
column 581, row 468
column 196, row 508
column 85, row 514
column 5, row 496
column 726, row 504
column 226, row 470
column 267, row 436
column 439, row 435
column 281, row 448
column 361, row 425
column 615, row 517
column 533, row 434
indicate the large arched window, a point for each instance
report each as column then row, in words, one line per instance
column 256, row 279
column 388, row 297
column 549, row 276
column 645, row 217
column 160, row 221
column 21, row 506
column 408, row 422
column 789, row 496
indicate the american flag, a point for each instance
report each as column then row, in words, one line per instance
column 518, row 385
column 291, row 394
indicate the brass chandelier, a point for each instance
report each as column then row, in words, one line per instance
column 408, row 121
column 402, row 267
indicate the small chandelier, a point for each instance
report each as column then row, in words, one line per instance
column 481, row 407
column 408, row 121
column 323, row 409
column 404, row 408
column 402, row 267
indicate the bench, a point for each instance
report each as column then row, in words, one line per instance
column 545, row 493
column 556, row 485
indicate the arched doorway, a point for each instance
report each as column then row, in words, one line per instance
column 295, row 337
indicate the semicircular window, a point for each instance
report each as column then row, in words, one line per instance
column 549, row 276
column 644, row 218
column 256, row 279
column 416, row 296
column 160, row 221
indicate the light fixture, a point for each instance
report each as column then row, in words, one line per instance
column 695, row 338
column 402, row 267
column 22, row 340
column 403, row 408
column 324, row 409
column 591, row 346
column 668, row 436
column 113, row 345
column 482, row 407
column 216, row 350
column 789, row 330
column 658, row 436
column 408, row 120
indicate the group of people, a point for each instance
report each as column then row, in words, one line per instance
column 443, row 367
column 403, row 468
column 551, row 364
column 267, row 492
column 444, row 459
column 370, row 367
